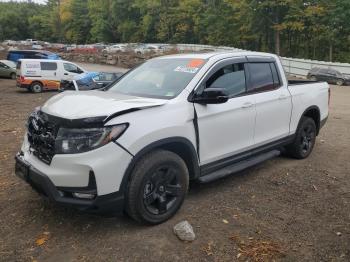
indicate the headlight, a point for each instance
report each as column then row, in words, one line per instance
column 79, row 140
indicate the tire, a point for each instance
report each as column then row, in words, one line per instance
column 13, row 75
column 36, row 87
column 305, row 139
column 313, row 78
column 157, row 188
column 340, row 82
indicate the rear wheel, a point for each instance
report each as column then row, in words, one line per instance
column 313, row 78
column 157, row 188
column 13, row 75
column 340, row 82
column 36, row 87
column 305, row 139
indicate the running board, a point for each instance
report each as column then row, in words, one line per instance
column 239, row 166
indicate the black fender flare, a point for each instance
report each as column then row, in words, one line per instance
column 317, row 122
column 164, row 144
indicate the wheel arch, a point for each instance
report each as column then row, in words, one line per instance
column 314, row 113
column 37, row 81
column 179, row 145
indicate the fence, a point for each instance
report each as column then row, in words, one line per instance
column 292, row 66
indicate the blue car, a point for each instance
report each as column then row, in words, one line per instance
column 90, row 81
column 15, row 55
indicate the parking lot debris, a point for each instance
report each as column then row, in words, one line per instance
column 184, row 231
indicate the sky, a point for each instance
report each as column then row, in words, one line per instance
column 35, row 1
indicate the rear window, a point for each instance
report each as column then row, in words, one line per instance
column 18, row 64
column 48, row 66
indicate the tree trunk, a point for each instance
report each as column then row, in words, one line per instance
column 331, row 52
column 277, row 42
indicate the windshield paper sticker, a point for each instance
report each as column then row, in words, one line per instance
column 186, row 69
column 192, row 67
column 195, row 63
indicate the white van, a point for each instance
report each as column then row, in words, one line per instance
column 41, row 74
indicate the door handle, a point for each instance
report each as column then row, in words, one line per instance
column 247, row 105
column 65, row 74
column 282, row 97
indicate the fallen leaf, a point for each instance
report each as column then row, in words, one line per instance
column 42, row 238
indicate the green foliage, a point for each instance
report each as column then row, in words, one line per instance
column 316, row 29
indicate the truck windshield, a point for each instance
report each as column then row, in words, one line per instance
column 159, row 78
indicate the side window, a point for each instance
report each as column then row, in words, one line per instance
column 276, row 78
column 332, row 73
column 2, row 65
column 49, row 66
column 323, row 71
column 70, row 68
column 261, row 77
column 230, row 77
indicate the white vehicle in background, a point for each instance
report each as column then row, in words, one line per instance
column 116, row 48
column 148, row 48
column 70, row 47
column 37, row 75
column 9, row 42
column 136, row 145
column 31, row 42
column 37, row 47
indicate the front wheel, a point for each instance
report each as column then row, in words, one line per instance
column 157, row 188
column 305, row 139
column 13, row 76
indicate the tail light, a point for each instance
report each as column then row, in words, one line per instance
column 21, row 79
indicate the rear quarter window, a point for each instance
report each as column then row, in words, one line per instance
column 48, row 66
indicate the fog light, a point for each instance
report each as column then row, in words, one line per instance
column 84, row 195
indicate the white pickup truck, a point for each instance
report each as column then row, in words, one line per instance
column 135, row 146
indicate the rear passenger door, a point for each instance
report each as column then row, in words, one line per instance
column 272, row 101
column 228, row 128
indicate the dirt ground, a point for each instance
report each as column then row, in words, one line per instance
column 283, row 209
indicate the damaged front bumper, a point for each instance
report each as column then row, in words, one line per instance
column 63, row 196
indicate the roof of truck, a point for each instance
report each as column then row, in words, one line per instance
column 216, row 55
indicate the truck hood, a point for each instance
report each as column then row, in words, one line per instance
column 77, row 105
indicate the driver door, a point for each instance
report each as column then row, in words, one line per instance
column 70, row 70
column 226, row 129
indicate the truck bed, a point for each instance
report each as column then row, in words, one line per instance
column 301, row 82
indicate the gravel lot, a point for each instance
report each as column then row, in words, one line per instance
column 283, row 209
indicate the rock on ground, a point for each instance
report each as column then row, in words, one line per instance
column 184, row 231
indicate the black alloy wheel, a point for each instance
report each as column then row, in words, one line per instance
column 305, row 138
column 157, row 188
column 161, row 190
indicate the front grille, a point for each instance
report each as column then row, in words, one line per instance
column 41, row 136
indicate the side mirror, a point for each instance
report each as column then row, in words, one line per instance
column 212, row 95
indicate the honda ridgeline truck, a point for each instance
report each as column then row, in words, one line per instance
column 136, row 145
